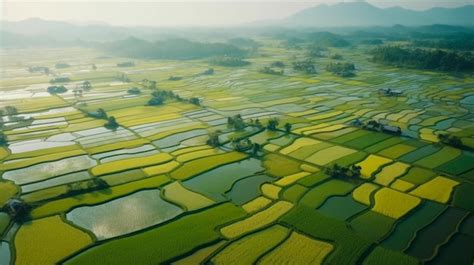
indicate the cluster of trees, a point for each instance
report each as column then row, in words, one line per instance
column 270, row 71
column 11, row 113
column 86, row 85
column 123, row 77
column 57, row 89
column 374, row 125
column 273, row 124
column 337, row 171
column 306, row 66
column 175, row 78
column 450, row 140
column 372, row 42
column 150, row 84
column 236, row 122
column 62, row 65
column 229, row 61
column 85, row 187
column 209, row 71
column 243, row 145
column 111, row 123
column 9, row 110
column 38, row 69
column 3, row 139
column 424, row 59
column 327, row 39
column 98, row 114
column 245, row 43
column 61, row 79
column 134, row 91
column 316, row 52
column 159, row 97
column 463, row 44
column 214, row 138
column 175, row 49
column 278, row 64
column 17, row 209
column 341, row 69
column 126, row 64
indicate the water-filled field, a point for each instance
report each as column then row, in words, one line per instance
column 155, row 190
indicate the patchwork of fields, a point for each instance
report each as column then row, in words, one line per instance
column 154, row 191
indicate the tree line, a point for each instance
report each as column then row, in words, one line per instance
column 423, row 59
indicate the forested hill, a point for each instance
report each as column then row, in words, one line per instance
column 180, row 49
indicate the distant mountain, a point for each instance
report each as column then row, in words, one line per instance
column 362, row 14
column 63, row 31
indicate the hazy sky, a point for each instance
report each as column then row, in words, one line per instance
column 179, row 13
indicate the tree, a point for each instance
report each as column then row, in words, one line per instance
column 61, row 79
column 306, row 66
column 18, row 209
column 373, row 124
column 278, row 64
column 450, row 140
column 341, row 69
column 57, row 89
column 111, row 123
column 3, row 139
column 270, row 71
column 94, row 67
column 134, row 91
column 86, row 84
column 236, row 122
column 287, row 127
column 229, row 61
column 10, row 110
column 355, row 170
column 156, row 101
column 213, row 138
column 195, row 101
column 152, row 84
column 256, row 148
column 174, row 78
column 101, row 113
column 209, row 71
column 272, row 124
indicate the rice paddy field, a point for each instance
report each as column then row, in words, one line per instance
column 153, row 191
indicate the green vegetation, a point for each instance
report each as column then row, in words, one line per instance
column 229, row 61
column 170, row 49
column 305, row 66
column 423, row 59
column 341, row 69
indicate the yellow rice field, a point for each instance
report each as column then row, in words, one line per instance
column 393, row 203
column 298, row 249
column 256, row 204
column 363, row 192
column 297, row 144
column 35, row 242
column 391, row 172
column 438, row 189
column 371, row 164
column 257, row 220
column 175, row 192
column 121, row 165
column 328, row 155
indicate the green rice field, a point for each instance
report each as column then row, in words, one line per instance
column 156, row 190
